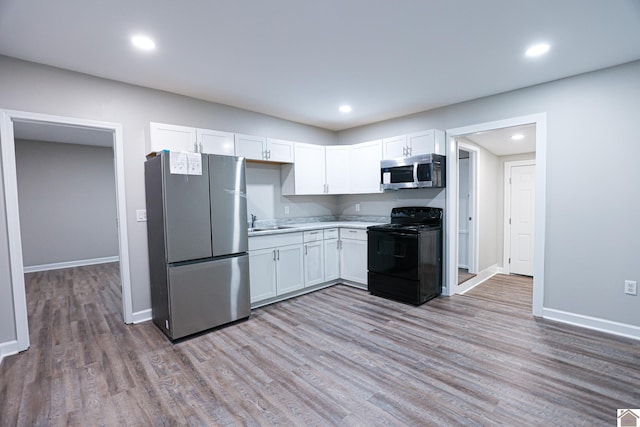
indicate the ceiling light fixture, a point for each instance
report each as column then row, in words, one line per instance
column 538, row 49
column 517, row 137
column 345, row 108
column 143, row 43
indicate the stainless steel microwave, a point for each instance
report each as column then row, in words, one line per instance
column 423, row 171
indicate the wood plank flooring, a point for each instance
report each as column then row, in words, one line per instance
column 334, row 357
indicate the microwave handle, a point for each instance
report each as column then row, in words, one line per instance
column 415, row 172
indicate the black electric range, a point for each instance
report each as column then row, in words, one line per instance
column 404, row 258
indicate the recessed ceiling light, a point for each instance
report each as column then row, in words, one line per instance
column 143, row 42
column 345, row 108
column 517, row 137
column 538, row 49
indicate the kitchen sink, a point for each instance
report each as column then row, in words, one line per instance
column 275, row 227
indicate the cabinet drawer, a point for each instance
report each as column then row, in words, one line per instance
column 313, row 236
column 274, row 240
column 353, row 234
column 331, row 233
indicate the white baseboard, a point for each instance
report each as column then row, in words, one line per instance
column 480, row 277
column 70, row 264
column 141, row 316
column 8, row 348
column 594, row 323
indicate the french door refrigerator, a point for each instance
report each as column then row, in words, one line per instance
column 197, row 237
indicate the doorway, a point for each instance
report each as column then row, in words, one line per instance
column 538, row 121
column 8, row 122
column 467, row 212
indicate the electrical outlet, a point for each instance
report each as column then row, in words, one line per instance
column 286, row 210
column 141, row 215
column 631, row 287
column 357, row 207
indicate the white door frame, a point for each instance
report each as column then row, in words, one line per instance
column 7, row 145
column 506, row 253
column 451, row 248
column 474, row 250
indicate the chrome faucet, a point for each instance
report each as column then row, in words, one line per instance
column 253, row 221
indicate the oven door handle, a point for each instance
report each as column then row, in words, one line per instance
column 400, row 234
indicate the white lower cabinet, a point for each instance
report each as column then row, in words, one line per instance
column 313, row 258
column 275, row 265
column 331, row 254
column 262, row 274
column 289, row 268
column 353, row 255
column 285, row 263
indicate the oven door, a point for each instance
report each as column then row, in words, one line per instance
column 393, row 253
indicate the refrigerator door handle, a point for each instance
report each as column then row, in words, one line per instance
column 274, row 254
column 278, row 252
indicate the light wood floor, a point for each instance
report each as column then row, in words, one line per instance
column 335, row 357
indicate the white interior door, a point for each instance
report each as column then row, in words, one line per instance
column 522, row 219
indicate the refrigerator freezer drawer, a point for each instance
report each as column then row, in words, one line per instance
column 203, row 295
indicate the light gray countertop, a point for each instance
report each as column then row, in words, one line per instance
column 296, row 228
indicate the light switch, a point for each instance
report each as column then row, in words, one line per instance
column 141, row 215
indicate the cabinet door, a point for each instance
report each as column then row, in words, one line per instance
column 172, row 137
column 353, row 261
column 262, row 274
column 331, row 259
column 313, row 263
column 395, row 147
column 421, row 142
column 337, row 169
column 427, row 142
column 250, row 147
column 289, row 268
column 216, row 142
column 309, row 169
column 365, row 167
column 279, row 150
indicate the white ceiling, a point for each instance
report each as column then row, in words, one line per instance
column 300, row 60
column 499, row 141
column 52, row 132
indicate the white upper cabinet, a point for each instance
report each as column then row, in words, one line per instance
column 413, row 144
column 184, row 138
column 307, row 174
column 279, row 150
column 364, row 171
column 266, row 149
column 395, row 147
column 337, row 169
column 343, row 169
column 215, row 142
column 172, row 137
column 426, row 142
column 251, row 147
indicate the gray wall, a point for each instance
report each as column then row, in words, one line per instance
column 7, row 321
column 35, row 88
column 67, row 200
column 488, row 208
column 592, row 150
column 265, row 199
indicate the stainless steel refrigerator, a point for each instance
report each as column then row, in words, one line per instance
column 197, row 236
